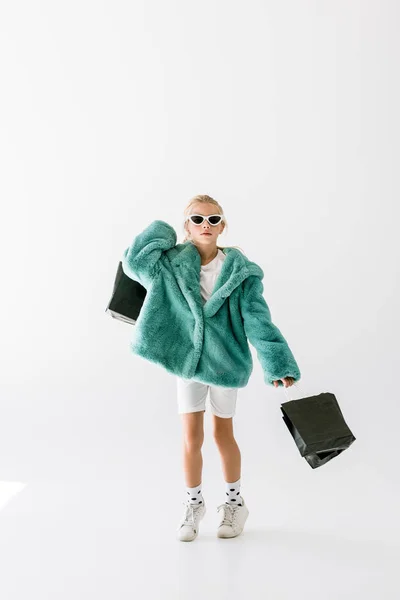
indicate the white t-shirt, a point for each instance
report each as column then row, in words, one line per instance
column 209, row 274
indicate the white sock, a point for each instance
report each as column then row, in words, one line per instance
column 233, row 493
column 194, row 495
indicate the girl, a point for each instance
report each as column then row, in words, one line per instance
column 204, row 233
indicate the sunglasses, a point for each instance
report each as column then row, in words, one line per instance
column 212, row 219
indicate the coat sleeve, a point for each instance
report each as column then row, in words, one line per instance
column 273, row 352
column 140, row 261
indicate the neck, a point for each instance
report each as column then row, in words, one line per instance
column 207, row 254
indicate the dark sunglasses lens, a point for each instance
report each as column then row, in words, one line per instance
column 215, row 220
column 196, row 220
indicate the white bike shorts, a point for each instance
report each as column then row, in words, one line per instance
column 192, row 397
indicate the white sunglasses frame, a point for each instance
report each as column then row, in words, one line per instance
column 207, row 217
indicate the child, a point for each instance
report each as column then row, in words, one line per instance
column 203, row 304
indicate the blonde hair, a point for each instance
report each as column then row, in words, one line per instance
column 204, row 199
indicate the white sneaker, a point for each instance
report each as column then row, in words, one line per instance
column 189, row 524
column 233, row 519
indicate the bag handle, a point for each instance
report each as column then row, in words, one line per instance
column 286, row 390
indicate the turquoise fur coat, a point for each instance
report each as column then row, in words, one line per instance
column 205, row 342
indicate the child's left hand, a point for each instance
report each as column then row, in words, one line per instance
column 287, row 382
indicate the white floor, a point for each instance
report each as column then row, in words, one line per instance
column 91, row 495
column 101, row 540
column 109, row 539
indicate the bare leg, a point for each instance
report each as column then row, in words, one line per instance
column 228, row 448
column 193, row 437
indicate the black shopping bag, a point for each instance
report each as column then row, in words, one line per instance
column 127, row 297
column 318, row 427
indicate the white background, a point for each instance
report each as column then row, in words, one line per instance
column 116, row 113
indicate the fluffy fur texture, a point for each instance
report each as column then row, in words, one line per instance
column 205, row 342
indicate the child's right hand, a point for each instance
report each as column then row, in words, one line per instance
column 287, row 382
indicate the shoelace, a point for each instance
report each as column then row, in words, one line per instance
column 230, row 511
column 191, row 513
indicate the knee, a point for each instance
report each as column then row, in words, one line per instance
column 223, row 434
column 193, row 440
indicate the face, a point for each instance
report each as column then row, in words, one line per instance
column 198, row 232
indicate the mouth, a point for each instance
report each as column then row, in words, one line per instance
column 205, row 233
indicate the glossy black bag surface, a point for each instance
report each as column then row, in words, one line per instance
column 127, row 298
column 318, row 428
